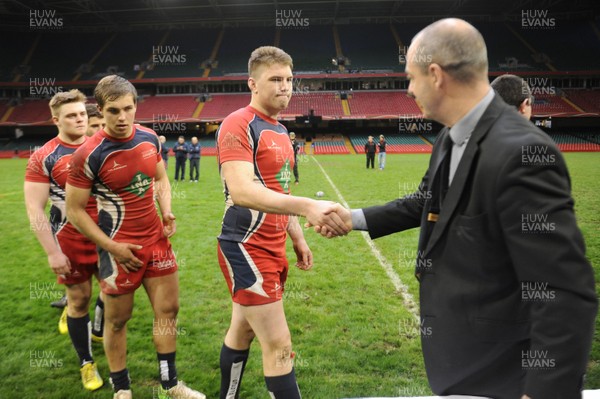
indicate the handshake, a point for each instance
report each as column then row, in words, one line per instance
column 330, row 219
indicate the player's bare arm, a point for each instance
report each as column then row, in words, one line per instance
column 239, row 177
column 76, row 200
column 304, row 258
column 36, row 197
column 163, row 196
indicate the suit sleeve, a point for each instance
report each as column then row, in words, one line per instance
column 397, row 215
column 548, row 253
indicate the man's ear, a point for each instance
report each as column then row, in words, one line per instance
column 524, row 104
column 437, row 74
column 252, row 85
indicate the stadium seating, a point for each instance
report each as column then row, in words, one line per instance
column 388, row 104
column 221, row 105
column 397, row 144
column 209, row 146
column 326, row 104
column 312, row 49
column 31, row 112
column 193, row 45
column 551, row 105
column 330, row 147
column 570, row 46
column 237, row 45
column 571, row 143
column 166, row 107
column 368, row 54
column 587, row 100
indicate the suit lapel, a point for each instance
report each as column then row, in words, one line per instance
column 435, row 163
column 463, row 171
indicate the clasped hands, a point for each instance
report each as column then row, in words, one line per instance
column 330, row 219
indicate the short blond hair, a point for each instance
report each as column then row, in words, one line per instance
column 268, row 55
column 65, row 97
column 112, row 87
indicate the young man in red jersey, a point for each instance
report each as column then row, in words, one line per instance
column 121, row 165
column 95, row 119
column 256, row 159
column 72, row 257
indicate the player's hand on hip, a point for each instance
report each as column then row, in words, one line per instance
column 325, row 214
column 123, row 253
column 59, row 263
column 303, row 255
column 169, row 226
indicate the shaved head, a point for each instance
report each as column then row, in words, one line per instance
column 455, row 45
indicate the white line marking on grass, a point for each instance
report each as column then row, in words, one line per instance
column 407, row 299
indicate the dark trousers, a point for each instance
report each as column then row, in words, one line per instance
column 371, row 159
column 194, row 167
column 296, row 172
column 180, row 165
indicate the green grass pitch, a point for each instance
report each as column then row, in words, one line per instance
column 351, row 333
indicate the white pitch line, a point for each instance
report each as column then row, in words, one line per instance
column 407, row 299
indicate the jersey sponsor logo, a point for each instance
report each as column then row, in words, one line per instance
column 149, row 153
column 278, row 290
column 284, row 176
column 230, row 141
column 126, row 283
column 116, row 166
column 165, row 264
column 139, row 184
column 274, row 145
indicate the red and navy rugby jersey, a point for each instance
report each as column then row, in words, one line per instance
column 248, row 135
column 120, row 173
column 50, row 164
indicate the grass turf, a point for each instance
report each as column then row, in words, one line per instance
column 351, row 333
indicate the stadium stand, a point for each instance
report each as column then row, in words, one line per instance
column 193, row 46
column 209, row 146
column 505, row 51
column 397, row 144
column 571, row 143
column 587, row 100
column 221, row 105
column 123, row 56
column 326, row 104
column 166, row 107
column 382, row 104
column 364, row 52
column 31, row 111
column 551, row 105
column 312, row 49
column 68, row 52
column 578, row 44
column 237, row 44
column 330, row 147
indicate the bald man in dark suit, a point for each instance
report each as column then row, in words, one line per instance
column 506, row 293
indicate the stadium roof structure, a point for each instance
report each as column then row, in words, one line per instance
column 119, row 15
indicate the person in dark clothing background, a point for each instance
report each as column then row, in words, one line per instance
column 296, row 148
column 381, row 158
column 194, row 150
column 181, row 151
column 370, row 148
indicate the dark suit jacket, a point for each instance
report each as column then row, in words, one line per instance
column 507, row 296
